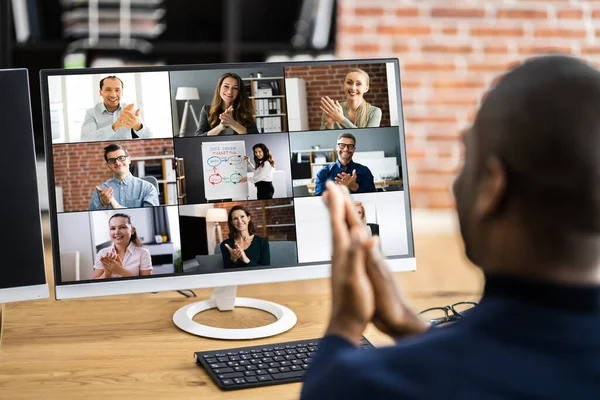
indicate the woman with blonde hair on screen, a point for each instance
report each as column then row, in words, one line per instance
column 231, row 111
column 126, row 256
column 355, row 112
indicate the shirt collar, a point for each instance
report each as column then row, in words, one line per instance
column 340, row 166
column 129, row 249
column 104, row 110
column 128, row 180
column 584, row 298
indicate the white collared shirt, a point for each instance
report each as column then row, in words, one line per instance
column 136, row 259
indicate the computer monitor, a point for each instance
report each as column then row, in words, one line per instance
column 183, row 149
column 23, row 275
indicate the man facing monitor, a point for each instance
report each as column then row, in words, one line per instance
column 111, row 120
column 356, row 177
column 527, row 201
column 123, row 190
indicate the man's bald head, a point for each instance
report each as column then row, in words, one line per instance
column 542, row 121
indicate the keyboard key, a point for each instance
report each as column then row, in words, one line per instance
column 211, row 360
column 264, row 378
column 230, row 375
column 251, row 379
column 261, row 372
column 250, row 373
column 239, row 380
column 227, row 382
column 288, row 375
column 284, row 369
column 222, row 370
column 218, row 365
column 296, row 368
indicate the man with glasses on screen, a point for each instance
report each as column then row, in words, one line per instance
column 528, row 201
column 111, row 120
column 356, row 177
column 123, row 190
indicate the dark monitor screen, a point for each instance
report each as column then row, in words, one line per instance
column 22, row 275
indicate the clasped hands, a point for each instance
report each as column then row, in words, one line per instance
column 333, row 111
column 128, row 119
column 237, row 253
column 112, row 264
column 362, row 287
column 106, row 197
column 227, row 119
column 348, row 180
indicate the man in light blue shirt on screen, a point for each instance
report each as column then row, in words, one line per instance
column 356, row 177
column 111, row 120
column 123, row 190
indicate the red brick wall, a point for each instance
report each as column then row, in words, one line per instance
column 450, row 52
column 257, row 210
column 79, row 167
column 329, row 81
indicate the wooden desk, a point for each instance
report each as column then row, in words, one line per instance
column 127, row 346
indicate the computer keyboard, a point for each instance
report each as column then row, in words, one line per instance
column 254, row 366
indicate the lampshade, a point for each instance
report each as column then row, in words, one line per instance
column 216, row 215
column 187, row 93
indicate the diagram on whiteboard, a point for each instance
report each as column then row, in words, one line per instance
column 224, row 168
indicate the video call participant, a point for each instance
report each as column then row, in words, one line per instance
column 111, row 120
column 355, row 112
column 535, row 235
column 126, row 256
column 372, row 229
column 231, row 111
column 243, row 248
column 356, row 177
column 263, row 172
column 123, row 190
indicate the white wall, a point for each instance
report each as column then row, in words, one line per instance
column 384, row 208
column 74, row 234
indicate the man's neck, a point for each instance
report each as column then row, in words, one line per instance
column 122, row 176
column 112, row 109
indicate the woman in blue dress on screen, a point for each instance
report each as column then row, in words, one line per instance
column 355, row 112
column 231, row 111
column 126, row 256
column 263, row 172
column 243, row 248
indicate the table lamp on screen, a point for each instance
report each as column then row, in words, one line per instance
column 187, row 94
column 216, row 215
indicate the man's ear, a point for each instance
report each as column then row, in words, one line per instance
column 492, row 188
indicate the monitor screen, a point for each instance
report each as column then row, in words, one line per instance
column 191, row 176
column 23, row 274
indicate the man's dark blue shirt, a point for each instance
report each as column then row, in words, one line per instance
column 364, row 177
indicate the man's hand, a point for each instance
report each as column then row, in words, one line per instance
column 353, row 302
column 347, row 180
column 105, row 194
column 393, row 316
column 129, row 119
column 363, row 288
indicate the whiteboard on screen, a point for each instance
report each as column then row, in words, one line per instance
column 224, row 167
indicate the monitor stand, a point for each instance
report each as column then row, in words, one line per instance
column 224, row 299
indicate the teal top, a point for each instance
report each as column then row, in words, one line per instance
column 258, row 252
column 373, row 122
